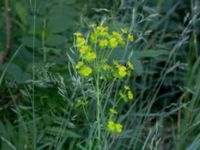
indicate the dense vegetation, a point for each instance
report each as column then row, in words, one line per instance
column 100, row 75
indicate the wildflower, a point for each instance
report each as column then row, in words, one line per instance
column 114, row 127
column 85, row 71
column 122, row 71
column 124, row 31
column 130, row 38
column 80, row 41
column 119, row 37
column 126, row 87
column 107, row 67
column 113, row 42
column 127, row 95
column 118, row 128
column 93, row 37
column 130, row 65
column 90, row 56
column 77, row 34
column 123, row 96
column 111, row 126
column 113, row 111
column 85, row 49
column 81, row 102
column 103, row 43
column 79, row 65
column 92, row 25
column 130, row 95
column 102, row 31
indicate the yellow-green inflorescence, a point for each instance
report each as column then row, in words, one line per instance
column 102, row 41
column 126, row 94
column 113, row 127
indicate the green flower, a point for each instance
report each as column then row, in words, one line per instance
column 113, row 42
column 122, row 71
column 130, row 38
column 113, row 127
column 89, row 57
column 130, row 95
column 93, row 37
column 85, row 71
column 103, row 43
column 127, row 94
column 85, row 49
column 79, row 65
column 102, row 31
column 119, row 38
column 80, row 41
column 124, row 30
column 113, row 111
column 130, row 65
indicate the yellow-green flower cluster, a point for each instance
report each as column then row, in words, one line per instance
column 121, row 70
column 127, row 95
column 104, row 39
column 100, row 40
column 86, row 53
column 84, row 70
column 113, row 127
column 81, row 102
column 118, row 71
column 113, row 111
column 80, row 40
column 130, row 37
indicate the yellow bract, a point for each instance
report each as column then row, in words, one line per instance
column 114, row 127
column 107, row 67
column 102, row 31
column 103, row 43
column 113, row 42
column 85, row 71
column 93, row 37
column 122, row 71
column 79, row 65
column 118, row 128
column 127, row 87
column 124, row 30
column 130, row 38
column 119, row 38
column 80, row 41
column 85, row 49
column 77, row 34
column 112, row 111
column 130, row 65
column 130, row 95
column 89, row 57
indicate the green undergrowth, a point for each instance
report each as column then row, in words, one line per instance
column 101, row 75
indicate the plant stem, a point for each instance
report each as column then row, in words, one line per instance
column 8, row 24
column 98, row 112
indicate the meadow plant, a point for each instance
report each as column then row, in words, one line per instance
column 106, row 77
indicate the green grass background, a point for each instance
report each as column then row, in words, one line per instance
column 37, row 93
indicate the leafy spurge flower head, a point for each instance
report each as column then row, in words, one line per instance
column 102, row 31
column 85, row 71
column 85, row 49
column 80, row 40
column 103, row 43
column 113, row 111
column 89, row 57
column 130, row 38
column 113, row 127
